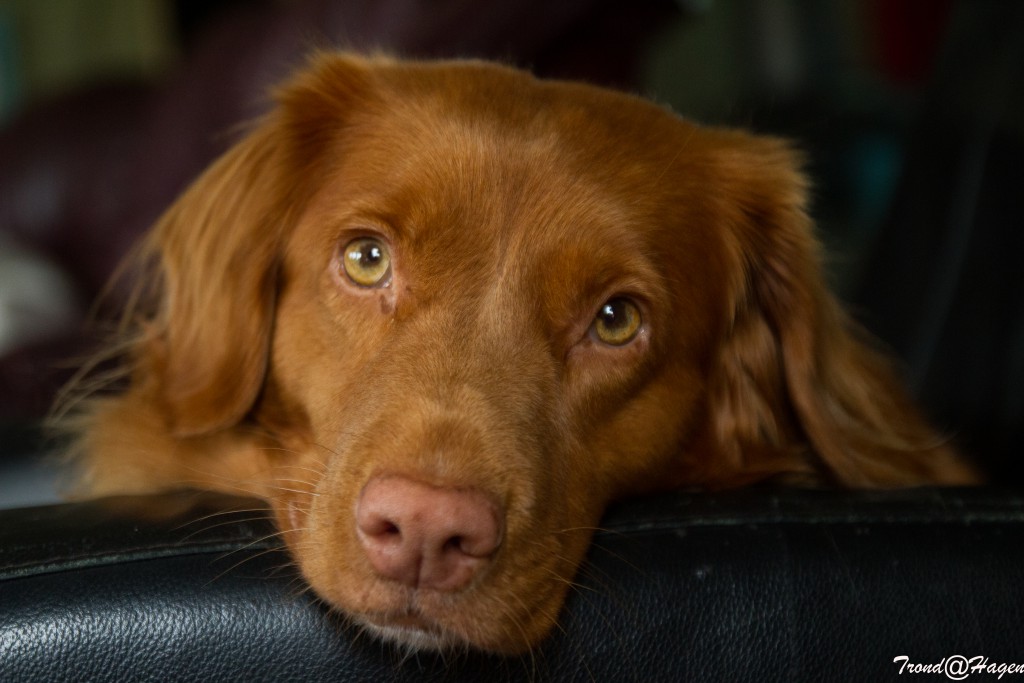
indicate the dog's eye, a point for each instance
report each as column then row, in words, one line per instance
column 367, row 262
column 618, row 322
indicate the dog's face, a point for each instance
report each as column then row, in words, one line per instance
column 439, row 315
column 489, row 293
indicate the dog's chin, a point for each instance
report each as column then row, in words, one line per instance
column 414, row 630
column 411, row 632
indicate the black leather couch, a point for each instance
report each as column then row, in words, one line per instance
column 752, row 586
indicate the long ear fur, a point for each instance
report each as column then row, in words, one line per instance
column 799, row 391
column 214, row 251
column 203, row 354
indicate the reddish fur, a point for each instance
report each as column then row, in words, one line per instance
column 514, row 208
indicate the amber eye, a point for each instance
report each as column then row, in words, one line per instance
column 618, row 322
column 367, row 262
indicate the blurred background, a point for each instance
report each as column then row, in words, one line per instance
column 911, row 111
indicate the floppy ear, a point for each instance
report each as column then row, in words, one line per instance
column 214, row 256
column 214, row 251
column 799, row 392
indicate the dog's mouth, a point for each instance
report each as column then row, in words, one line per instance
column 407, row 574
column 508, row 608
column 408, row 628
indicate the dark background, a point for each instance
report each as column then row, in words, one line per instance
column 910, row 111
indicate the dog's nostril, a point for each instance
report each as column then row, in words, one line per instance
column 426, row 536
column 378, row 525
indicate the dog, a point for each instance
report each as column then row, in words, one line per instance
column 440, row 314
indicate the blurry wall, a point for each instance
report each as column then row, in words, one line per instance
column 51, row 46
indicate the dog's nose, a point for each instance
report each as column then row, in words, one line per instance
column 427, row 536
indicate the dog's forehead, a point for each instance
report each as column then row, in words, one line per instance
column 551, row 160
column 513, row 201
column 505, row 122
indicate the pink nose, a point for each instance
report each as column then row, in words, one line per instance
column 426, row 536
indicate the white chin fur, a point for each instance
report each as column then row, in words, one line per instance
column 412, row 638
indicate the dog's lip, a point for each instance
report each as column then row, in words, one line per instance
column 407, row 627
column 406, row 618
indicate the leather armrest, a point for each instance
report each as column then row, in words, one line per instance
column 765, row 586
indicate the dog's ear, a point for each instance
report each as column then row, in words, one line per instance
column 799, row 391
column 214, row 255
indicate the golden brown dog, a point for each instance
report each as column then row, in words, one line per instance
column 440, row 314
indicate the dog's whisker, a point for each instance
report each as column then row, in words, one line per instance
column 233, row 512
column 287, row 489
column 234, row 521
column 248, row 558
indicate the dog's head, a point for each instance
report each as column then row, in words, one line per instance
column 451, row 311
